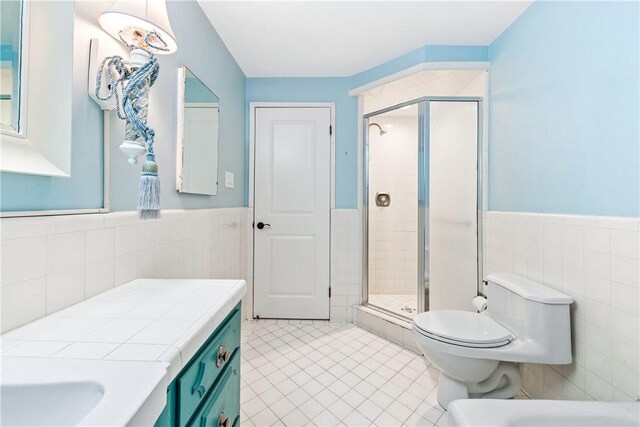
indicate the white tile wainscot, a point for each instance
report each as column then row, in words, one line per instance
column 346, row 263
column 52, row 262
column 595, row 260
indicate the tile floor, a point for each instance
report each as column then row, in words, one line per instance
column 397, row 303
column 298, row 373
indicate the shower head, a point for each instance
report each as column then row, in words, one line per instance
column 382, row 131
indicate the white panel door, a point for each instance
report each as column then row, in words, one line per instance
column 453, row 209
column 292, row 200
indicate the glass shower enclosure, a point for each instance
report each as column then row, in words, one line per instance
column 422, row 192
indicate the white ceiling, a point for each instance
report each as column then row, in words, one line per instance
column 339, row 38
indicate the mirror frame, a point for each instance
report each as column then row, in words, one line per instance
column 42, row 145
column 182, row 74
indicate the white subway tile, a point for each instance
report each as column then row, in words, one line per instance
column 573, row 258
column 625, row 243
column 618, row 223
column 71, row 223
column 582, row 220
column 626, row 326
column 597, row 264
column 99, row 244
column 125, row 239
column 22, row 259
column 552, row 254
column 552, row 275
column 65, row 251
column 599, row 314
column 597, row 388
column 533, row 384
column 597, row 239
column 64, row 288
column 19, row 228
column 552, row 232
column 625, row 270
column 598, row 288
column 619, row 396
column 98, row 277
column 553, row 379
column 625, row 298
column 118, row 219
column 572, row 392
column 599, row 339
column 124, row 268
column 573, row 281
column 599, row 364
column 550, row 218
column 147, row 235
column 535, row 270
column 626, row 353
column 572, row 235
column 626, row 380
column 22, row 303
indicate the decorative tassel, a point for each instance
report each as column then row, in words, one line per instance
column 149, row 190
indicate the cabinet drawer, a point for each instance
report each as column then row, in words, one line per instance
column 196, row 381
column 224, row 401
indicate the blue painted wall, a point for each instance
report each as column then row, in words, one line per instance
column 202, row 50
column 564, row 110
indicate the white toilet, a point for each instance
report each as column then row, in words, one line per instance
column 477, row 353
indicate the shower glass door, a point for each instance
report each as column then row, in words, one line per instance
column 392, row 206
column 422, row 213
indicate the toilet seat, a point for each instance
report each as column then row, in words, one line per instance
column 462, row 328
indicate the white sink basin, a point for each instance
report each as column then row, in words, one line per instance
column 60, row 404
column 70, row 392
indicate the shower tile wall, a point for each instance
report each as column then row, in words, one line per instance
column 596, row 261
column 393, row 238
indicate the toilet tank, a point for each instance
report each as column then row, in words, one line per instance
column 536, row 314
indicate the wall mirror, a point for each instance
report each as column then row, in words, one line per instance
column 36, row 73
column 197, row 159
column 10, row 65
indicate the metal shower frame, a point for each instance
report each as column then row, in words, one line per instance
column 423, row 104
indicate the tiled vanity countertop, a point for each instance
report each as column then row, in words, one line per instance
column 165, row 320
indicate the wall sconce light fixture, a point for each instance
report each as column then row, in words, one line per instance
column 144, row 27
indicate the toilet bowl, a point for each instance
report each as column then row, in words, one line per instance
column 478, row 353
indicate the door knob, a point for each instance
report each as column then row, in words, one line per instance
column 262, row 225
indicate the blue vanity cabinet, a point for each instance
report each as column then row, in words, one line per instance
column 206, row 392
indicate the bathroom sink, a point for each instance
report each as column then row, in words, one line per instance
column 74, row 392
column 60, row 404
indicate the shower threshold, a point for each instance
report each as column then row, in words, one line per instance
column 400, row 305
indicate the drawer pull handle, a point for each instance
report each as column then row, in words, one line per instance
column 223, row 356
column 223, row 420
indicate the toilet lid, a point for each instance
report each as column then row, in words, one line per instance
column 463, row 328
